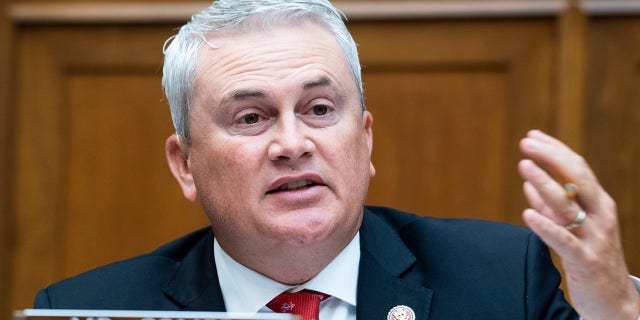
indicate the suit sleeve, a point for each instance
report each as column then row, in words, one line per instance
column 544, row 299
column 42, row 300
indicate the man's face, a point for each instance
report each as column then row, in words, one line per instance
column 280, row 151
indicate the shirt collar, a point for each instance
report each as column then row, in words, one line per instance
column 245, row 290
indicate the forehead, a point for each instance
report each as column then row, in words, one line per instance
column 282, row 53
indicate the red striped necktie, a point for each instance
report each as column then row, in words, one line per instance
column 305, row 303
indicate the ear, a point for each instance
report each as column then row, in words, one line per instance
column 177, row 153
column 368, row 128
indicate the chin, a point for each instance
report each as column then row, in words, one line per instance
column 309, row 231
column 305, row 226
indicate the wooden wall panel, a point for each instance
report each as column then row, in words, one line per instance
column 6, row 112
column 117, row 182
column 450, row 103
column 436, row 153
column 92, row 183
column 613, row 120
column 102, row 1
column 123, row 11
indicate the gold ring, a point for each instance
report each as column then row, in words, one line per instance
column 571, row 190
column 578, row 221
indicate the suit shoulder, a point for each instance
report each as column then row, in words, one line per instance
column 399, row 219
column 476, row 269
column 127, row 280
column 179, row 248
column 456, row 233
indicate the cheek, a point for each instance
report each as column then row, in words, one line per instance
column 351, row 153
column 225, row 170
column 227, row 178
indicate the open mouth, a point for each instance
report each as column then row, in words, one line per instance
column 294, row 185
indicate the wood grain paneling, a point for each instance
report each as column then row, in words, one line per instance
column 92, row 182
column 6, row 112
column 613, row 120
column 569, row 123
column 38, row 12
column 450, row 103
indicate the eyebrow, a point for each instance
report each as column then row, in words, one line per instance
column 244, row 94
column 321, row 82
column 325, row 82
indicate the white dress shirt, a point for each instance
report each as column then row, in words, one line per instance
column 245, row 290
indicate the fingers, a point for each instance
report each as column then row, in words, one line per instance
column 547, row 196
column 591, row 254
column 560, row 165
column 555, row 236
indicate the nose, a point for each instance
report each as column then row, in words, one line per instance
column 290, row 142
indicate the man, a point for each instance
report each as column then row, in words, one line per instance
column 273, row 139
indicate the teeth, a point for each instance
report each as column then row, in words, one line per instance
column 294, row 185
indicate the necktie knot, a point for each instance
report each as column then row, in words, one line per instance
column 305, row 303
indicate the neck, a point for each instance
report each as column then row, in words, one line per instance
column 287, row 263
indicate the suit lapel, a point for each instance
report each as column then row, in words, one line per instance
column 195, row 284
column 386, row 276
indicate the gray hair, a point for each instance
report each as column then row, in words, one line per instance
column 181, row 50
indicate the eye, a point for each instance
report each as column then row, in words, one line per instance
column 320, row 112
column 250, row 122
column 250, row 118
column 320, row 109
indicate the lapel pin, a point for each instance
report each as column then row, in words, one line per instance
column 401, row 313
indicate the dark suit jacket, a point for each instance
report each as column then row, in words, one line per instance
column 441, row 268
